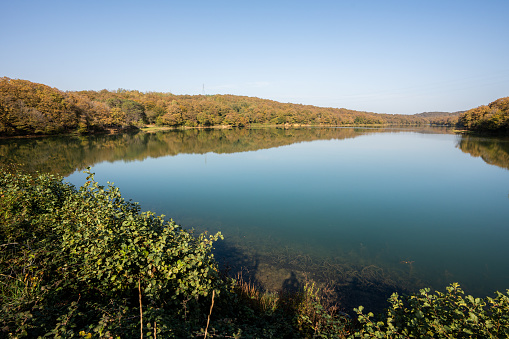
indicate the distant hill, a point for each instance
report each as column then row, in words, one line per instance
column 28, row 108
column 438, row 114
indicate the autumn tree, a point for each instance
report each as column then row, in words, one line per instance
column 491, row 118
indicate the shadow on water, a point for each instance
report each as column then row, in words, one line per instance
column 234, row 262
column 291, row 284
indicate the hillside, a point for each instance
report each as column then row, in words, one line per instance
column 438, row 114
column 28, row 108
column 491, row 118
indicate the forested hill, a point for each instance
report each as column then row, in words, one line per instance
column 439, row 114
column 491, row 118
column 30, row 108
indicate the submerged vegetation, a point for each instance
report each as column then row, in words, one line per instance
column 28, row 108
column 87, row 263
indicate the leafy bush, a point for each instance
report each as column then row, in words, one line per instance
column 82, row 260
column 439, row 315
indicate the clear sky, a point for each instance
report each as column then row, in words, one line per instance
column 406, row 56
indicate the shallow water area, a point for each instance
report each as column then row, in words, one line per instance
column 369, row 211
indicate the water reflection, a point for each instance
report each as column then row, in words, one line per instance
column 494, row 151
column 65, row 155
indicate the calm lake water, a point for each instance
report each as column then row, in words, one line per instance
column 369, row 211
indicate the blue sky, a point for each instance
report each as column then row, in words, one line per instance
column 386, row 56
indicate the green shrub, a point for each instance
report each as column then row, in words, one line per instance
column 439, row 315
column 318, row 317
column 83, row 260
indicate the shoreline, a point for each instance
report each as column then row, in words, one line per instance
column 151, row 128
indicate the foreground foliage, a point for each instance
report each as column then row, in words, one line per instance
column 86, row 260
column 87, row 263
column 440, row 315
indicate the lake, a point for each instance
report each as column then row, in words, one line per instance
column 367, row 211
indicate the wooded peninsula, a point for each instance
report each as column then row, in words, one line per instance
column 28, row 108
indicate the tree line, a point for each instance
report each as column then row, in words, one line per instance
column 28, row 108
column 31, row 108
column 488, row 118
